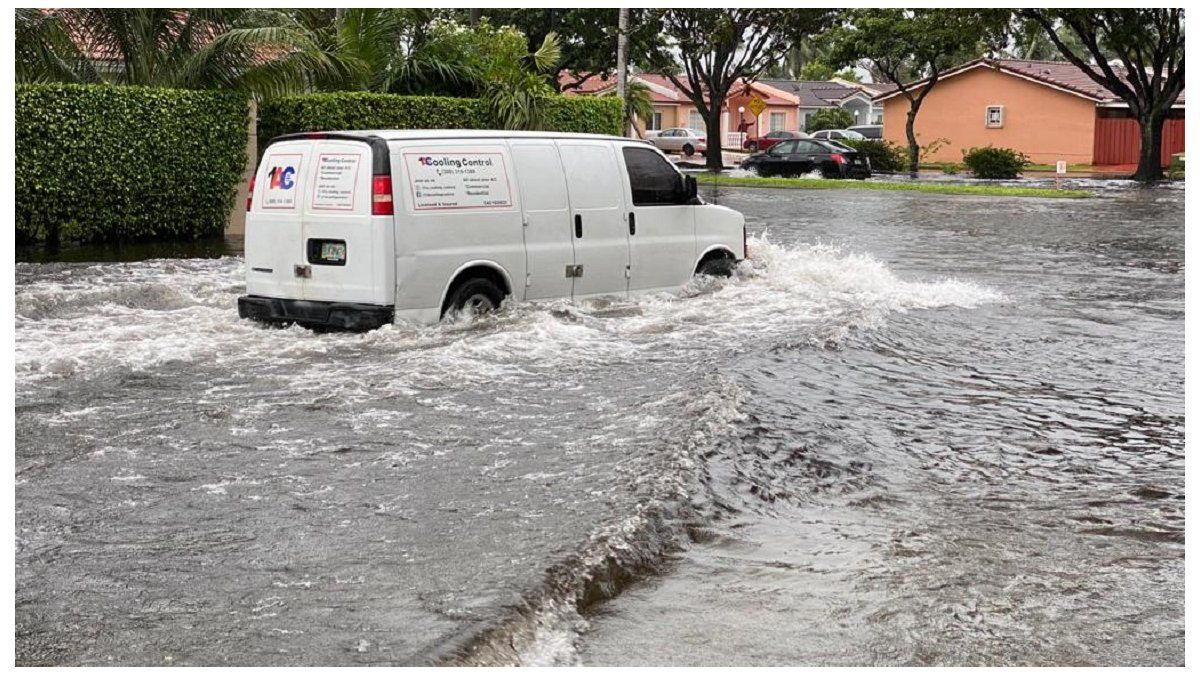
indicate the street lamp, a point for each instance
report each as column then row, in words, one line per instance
column 741, row 127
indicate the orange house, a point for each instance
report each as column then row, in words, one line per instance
column 1049, row 110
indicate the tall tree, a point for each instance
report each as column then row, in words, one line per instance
column 722, row 47
column 902, row 45
column 1148, row 43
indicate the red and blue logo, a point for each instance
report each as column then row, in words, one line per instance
column 282, row 177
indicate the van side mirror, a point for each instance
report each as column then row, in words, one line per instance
column 691, row 190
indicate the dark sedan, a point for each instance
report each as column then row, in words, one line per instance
column 799, row 157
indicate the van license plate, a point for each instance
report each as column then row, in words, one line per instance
column 331, row 252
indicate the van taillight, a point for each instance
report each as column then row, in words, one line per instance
column 381, row 196
column 250, row 193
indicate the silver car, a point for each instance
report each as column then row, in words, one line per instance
column 838, row 135
column 681, row 140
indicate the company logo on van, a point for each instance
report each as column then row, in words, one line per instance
column 282, row 177
column 456, row 162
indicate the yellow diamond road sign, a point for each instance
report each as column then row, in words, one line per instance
column 756, row 106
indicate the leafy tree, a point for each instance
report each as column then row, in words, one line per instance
column 849, row 74
column 1029, row 40
column 1148, row 43
column 587, row 37
column 829, row 118
column 901, row 45
column 816, row 70
column 720, row 47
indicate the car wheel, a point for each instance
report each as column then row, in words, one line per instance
column 753, row 146
column 717, row 267
column 688, row 150
column 474, row 297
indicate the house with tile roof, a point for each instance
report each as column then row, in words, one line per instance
column 814, row 95
column 673, row 108
column 1049, row 110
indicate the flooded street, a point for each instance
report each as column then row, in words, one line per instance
column 916, row 429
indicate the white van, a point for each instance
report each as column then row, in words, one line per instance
column 356, row 229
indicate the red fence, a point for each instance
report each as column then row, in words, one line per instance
column 1118, row 141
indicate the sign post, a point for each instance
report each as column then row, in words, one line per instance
column 1060, row 170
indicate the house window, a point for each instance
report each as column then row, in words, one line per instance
column 655, row 122
column 778, row 119
column 995, row 117
column 696, row 121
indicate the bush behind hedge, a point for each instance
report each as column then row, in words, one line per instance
column 362, row 110
column 884, row 155
column 991, row 162
column 108, row 163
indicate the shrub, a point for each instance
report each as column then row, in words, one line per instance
column 884, row 155
column 993, row 162
column 829, row 118
column 107, row 163
column 361, row 110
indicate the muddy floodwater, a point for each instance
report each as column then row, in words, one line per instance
column 915, row 429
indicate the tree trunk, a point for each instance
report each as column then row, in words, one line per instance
column 1150, row 157
column 914, row 150
column 622, row 75
column 713, row 131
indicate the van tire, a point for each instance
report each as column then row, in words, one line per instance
column 688, row 150
column 476, row 295
column 717, row 267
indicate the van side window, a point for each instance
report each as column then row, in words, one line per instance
column 651, row 178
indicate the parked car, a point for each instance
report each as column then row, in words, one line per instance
column 353, row 230
column 801, row 156
column 764, row 143
column 837, row 134
column 872, row 131
column 682, row 140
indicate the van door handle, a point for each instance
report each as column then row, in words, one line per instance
column 632, row 224
column 578, row 226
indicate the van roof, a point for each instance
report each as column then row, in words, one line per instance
column 422, row 134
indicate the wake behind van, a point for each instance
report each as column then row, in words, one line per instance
column 356, row 229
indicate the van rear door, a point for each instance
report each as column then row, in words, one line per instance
column 312, row 224
column 274, row 237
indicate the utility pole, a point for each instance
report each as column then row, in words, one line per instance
column 622, row 56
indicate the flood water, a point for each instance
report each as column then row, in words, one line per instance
column 916, row 429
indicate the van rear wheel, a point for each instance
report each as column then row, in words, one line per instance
column 474, row 297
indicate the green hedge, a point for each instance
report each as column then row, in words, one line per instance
column 107, row 163
column 360, row 110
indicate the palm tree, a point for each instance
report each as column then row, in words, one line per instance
column 260, row 51
column 638, row 103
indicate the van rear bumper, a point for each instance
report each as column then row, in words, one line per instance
column 314, row 313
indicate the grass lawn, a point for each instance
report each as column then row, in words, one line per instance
column 937, row 188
